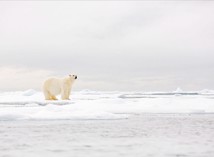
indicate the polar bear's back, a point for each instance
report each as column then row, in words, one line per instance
column 53, row 85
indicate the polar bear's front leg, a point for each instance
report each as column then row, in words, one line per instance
column 68, row 93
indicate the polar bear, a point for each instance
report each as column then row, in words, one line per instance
column 55, row 86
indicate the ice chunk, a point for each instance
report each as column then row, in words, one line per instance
column 178, row 90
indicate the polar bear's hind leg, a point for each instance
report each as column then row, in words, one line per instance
column 53, row 97
column 47, row 95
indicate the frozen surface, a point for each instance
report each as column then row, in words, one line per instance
column 86, row 104
column 103, row 124
column 144, row 135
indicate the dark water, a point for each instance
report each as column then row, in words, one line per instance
column 144, row 135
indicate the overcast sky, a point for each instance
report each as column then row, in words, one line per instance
column 123, row 45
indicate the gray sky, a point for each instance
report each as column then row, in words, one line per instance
column 122, row 45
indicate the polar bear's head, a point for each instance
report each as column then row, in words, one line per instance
column 73, row 77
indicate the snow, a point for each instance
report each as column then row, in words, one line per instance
column 29, row 92
column 103, row 124
column 86, row 104
column 178, row 90
column 144, row 135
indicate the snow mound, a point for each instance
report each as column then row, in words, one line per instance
column 178, row 90
column 29, row 92
column 207, row 91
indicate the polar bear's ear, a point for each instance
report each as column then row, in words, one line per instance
column 69, row 75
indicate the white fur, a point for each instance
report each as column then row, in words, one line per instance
column 55, row 86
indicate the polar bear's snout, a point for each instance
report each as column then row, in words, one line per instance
column 73, row 76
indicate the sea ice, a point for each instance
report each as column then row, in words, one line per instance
column 30, row 104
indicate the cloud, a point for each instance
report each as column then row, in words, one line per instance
column 109, row 43
column 22, row 78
